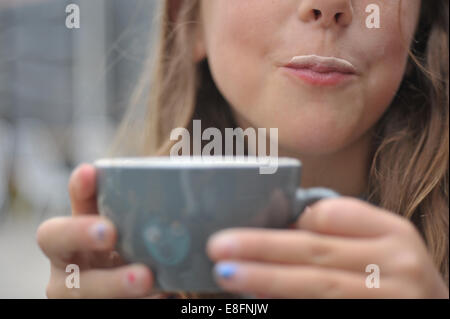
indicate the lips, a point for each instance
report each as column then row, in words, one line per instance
column 321, row 71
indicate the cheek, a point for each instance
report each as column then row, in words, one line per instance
column 386, row 51
column 383, row 82
column 238, row 36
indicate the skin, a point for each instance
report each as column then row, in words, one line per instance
column 315, row 258
column 329, row 129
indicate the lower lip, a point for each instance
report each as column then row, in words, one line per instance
column 320, row 79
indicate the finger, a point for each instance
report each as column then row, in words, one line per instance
column 295, row 247
column 61, row 237
column 82, row 190
column 164, row 295
column 131, row 281
column 285, row 281
column 349, row 217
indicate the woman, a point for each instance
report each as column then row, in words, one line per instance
column 367, row 114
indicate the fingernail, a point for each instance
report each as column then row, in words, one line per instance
column 98, row 232
column 226, row 270
column 225, row 245
column 131, row 280
column 134, row 279
column 78, row 186
column 131, row 277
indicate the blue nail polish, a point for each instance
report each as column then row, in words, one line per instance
column 98, row 231
column 226, row 270
column 101, row 230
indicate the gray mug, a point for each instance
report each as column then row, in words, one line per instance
column 165, row 209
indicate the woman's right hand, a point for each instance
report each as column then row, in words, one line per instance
column 87, row 240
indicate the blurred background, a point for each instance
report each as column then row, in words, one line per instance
column 62, row 94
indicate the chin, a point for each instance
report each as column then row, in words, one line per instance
column 313, row 145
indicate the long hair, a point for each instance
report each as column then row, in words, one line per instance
column 409, row 171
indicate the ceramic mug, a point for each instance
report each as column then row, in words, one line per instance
column 165, row 209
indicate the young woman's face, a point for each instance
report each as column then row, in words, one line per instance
column 319, row 106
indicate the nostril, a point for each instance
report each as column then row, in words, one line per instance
column 317, row 14
column 338, row 16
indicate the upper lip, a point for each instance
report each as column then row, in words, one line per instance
column 322, row 64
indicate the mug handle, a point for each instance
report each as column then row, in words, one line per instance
column 307, row 197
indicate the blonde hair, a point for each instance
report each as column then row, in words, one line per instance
column 409, row 172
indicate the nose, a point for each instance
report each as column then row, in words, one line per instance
column 327, row 13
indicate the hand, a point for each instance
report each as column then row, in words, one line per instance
column 326, row 254
column 88, row 240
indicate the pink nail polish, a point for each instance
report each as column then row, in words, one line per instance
column 131, row 277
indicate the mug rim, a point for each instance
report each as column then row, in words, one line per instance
column 196, row 162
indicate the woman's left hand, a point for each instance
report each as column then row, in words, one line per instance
column 327, row 255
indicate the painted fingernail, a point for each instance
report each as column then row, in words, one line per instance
column 78, row 186
column 134, row 280
column 226, row 270
column 131, row 279
column 98, row 232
